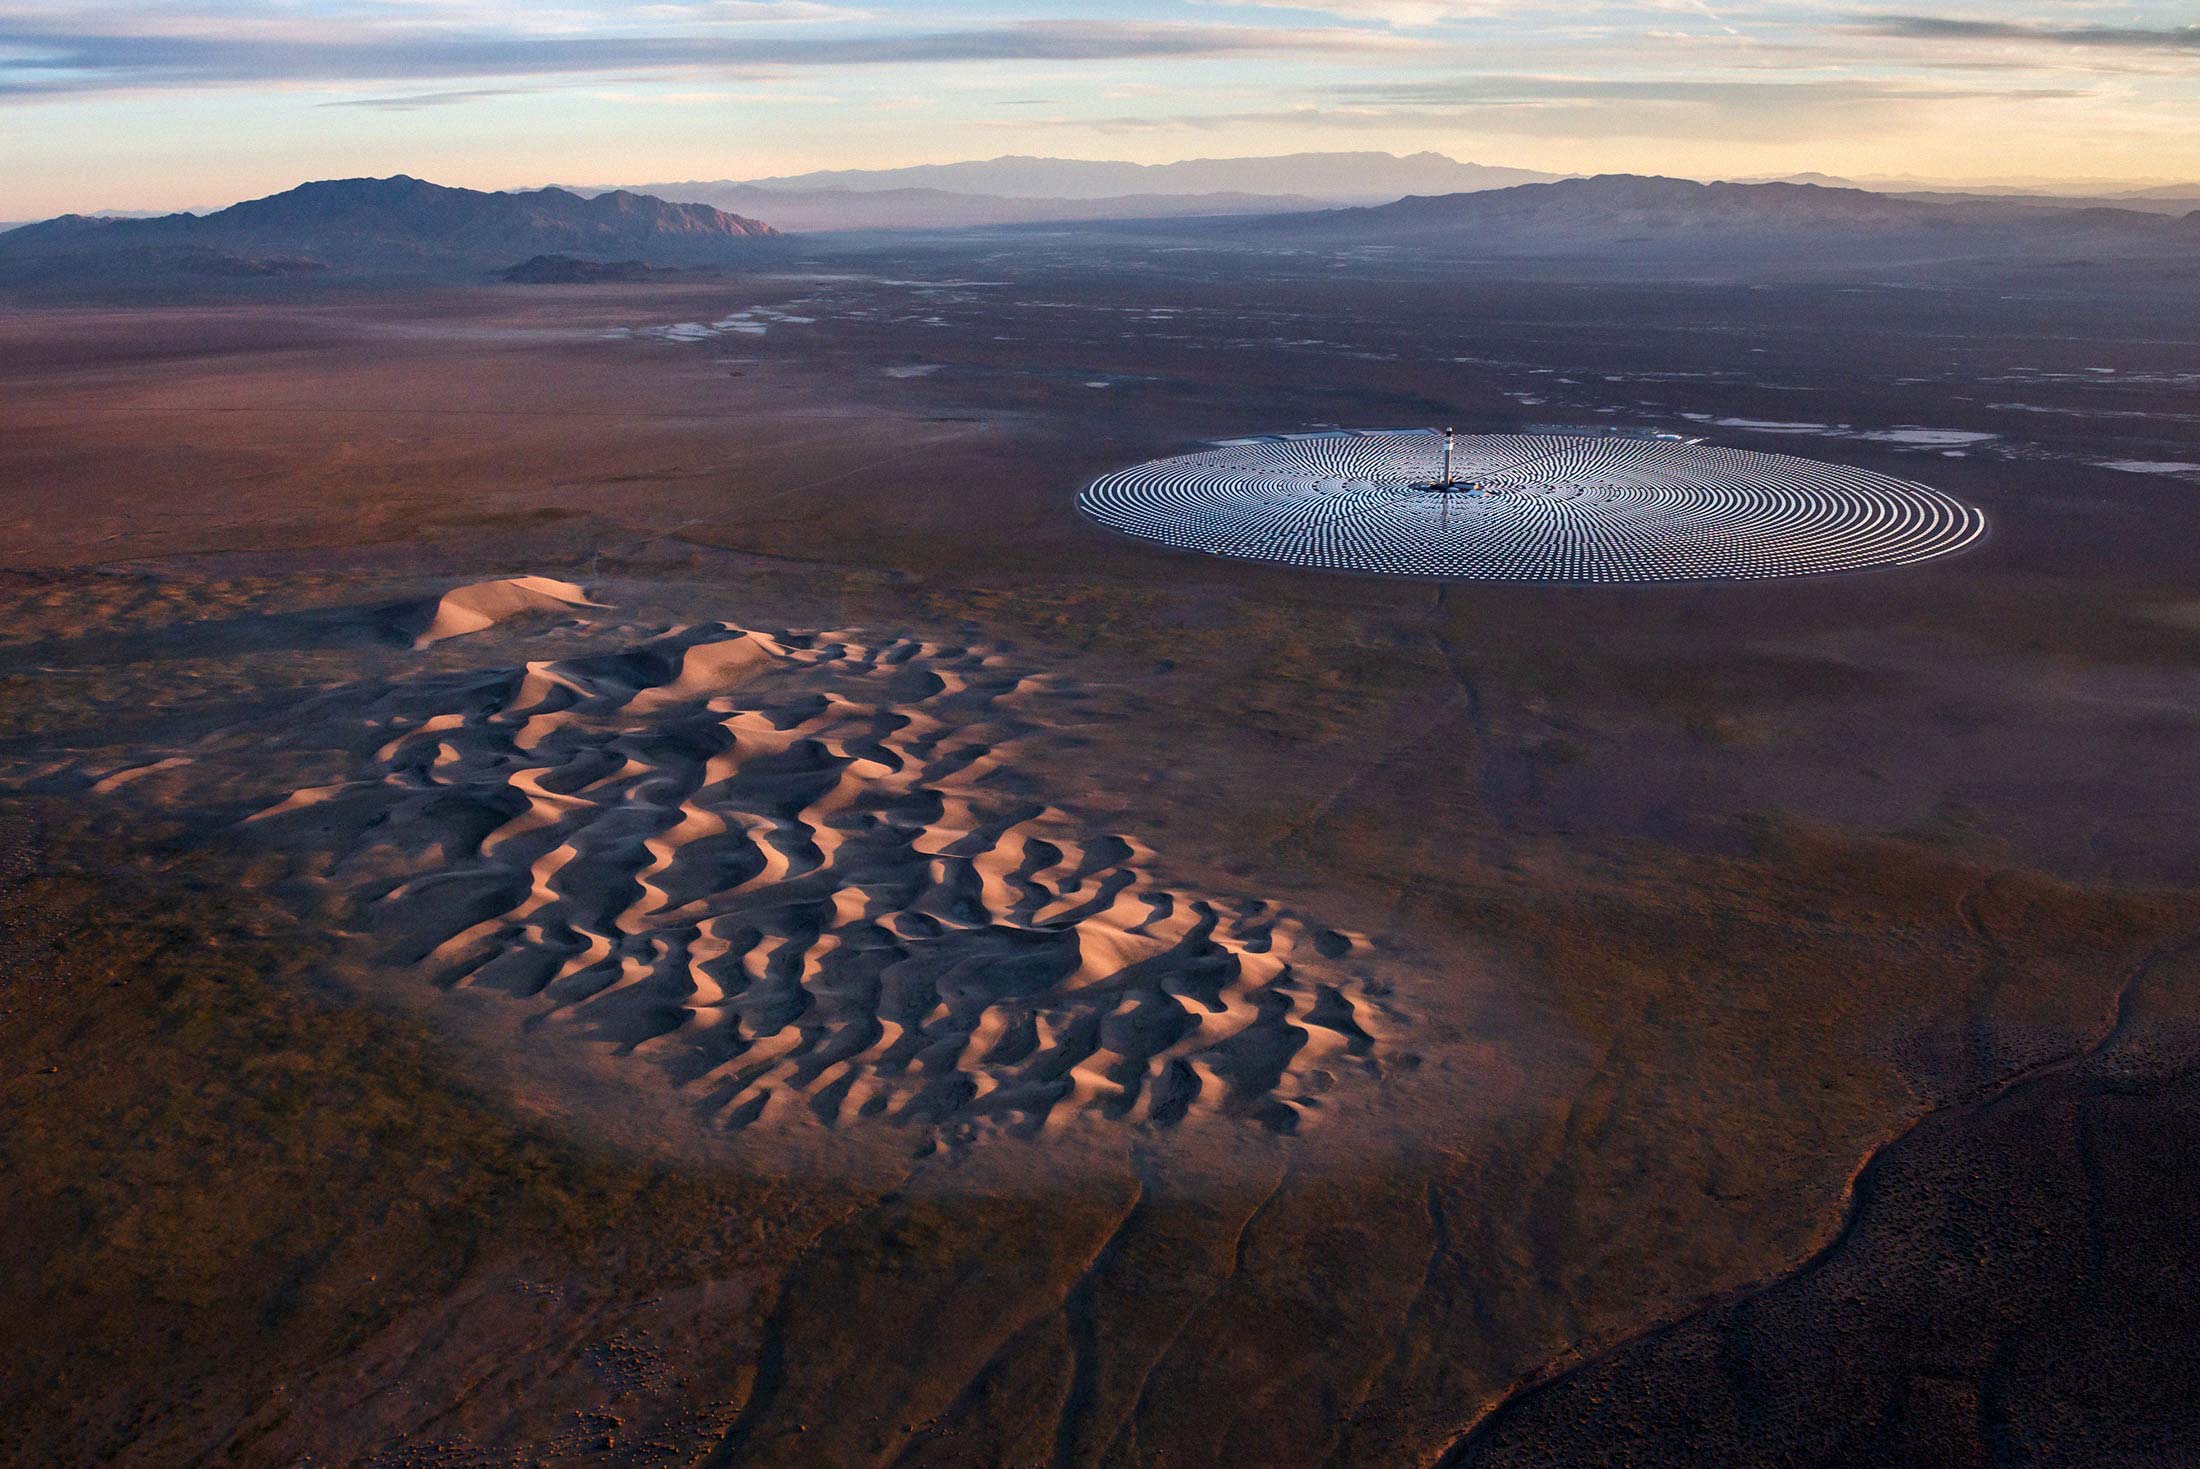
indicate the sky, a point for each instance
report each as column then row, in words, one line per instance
column 197, row 103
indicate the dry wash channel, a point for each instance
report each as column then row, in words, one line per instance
column 1530, row 507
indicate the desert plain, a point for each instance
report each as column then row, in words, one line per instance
column 613, row 875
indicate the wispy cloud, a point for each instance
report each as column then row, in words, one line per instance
column 1575, row 15
column 1407, row 14
column 746, row 12
column 2177, row 40
column 419, row 100
column 1593, row 107
column 1725, row 95
column 45, row 58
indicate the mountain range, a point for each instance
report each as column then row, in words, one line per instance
column 2007, row 188
column 1354, row 178
column 1027, row 190
column 401, row 228
column 2158, row 199
column 392, row 226
column 1628, row 219
column 826, row 209
column 1019, row 190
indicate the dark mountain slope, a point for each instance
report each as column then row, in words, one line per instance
column 1619, row 207
column 1663, row 223
column 402, row 226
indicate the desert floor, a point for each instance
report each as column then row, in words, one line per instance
column 613, row 875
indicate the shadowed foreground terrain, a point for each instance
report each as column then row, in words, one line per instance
column 1998, row 1295
column 609, row 874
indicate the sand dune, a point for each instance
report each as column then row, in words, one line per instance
column 483, row 604
column 809, row 877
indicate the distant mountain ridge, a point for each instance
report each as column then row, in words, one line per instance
column 2145, row 203
column 1622, row 224
column 1625, row 217
column 2159, row 199
column 1328, row 177
column 937, row 209
column 401, row 225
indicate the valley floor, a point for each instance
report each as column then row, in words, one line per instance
column 611, row 875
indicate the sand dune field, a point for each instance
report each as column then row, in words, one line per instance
column 807, row 877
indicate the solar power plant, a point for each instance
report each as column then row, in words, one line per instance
column 1530, row 507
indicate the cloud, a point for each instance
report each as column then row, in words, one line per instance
column 2177, row 40
column 1569, row 15
column 47, row 58
column 428, row 99
column 1594, row 107
column 307, row 22
column 1402, row 13
column 746, row 12
column 1728, row 96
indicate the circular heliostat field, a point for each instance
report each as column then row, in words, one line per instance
column 1530, row 507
